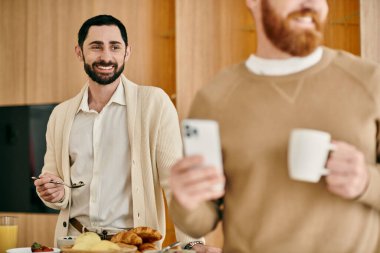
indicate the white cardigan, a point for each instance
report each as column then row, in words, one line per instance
column 155, row 145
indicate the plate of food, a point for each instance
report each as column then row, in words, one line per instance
column 90, row 242
column 36, row 247
column 138, row 239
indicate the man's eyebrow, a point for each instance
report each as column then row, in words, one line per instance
column 115, row 42
column 96, row 42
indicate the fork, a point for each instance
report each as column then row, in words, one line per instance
column 75, row 185
column 166, row 249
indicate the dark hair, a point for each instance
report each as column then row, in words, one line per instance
column 99, row 21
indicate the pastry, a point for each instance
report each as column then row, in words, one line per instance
column 147, row 234
column 127, row 237
column 147, row 246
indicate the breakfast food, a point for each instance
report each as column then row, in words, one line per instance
column 125, row 246
column 147, row 246
column 36, row 247
column 105, row 245
column 92, row 242
column 86, row 240
column 148, row 234
column 142, row 237
column 88, row 237
column 127, row 237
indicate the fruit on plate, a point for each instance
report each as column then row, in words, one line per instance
column 36, row 247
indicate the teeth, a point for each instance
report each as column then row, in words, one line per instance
column 305, row 19
column 105, row 67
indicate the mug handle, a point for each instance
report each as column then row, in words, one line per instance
column 325, row 171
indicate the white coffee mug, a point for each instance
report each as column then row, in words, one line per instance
column 308, row 153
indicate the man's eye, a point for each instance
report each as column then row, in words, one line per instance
column 96, row 47
column 115, row 47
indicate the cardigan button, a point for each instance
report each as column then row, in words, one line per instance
column 64, row 224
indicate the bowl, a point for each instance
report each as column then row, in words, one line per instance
column 27, row 250
column 66, row 241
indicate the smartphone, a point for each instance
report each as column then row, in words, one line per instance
column 201, row 137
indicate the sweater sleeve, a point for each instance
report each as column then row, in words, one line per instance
column 50, row 165
column 169, row 150
column 204, row 219
column 371, row 196
column 198, row 222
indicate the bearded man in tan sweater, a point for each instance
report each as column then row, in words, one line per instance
column 291, row 82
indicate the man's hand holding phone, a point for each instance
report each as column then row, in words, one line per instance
column 199, row 176
column 192, row 182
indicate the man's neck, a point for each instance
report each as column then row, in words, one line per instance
column 99, row 95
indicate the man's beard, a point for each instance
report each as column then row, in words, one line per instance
column 103, row 79
column 279, row 32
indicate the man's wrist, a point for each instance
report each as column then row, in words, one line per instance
column 62, row 199
column 190, row 245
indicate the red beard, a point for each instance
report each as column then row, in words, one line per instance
column 279, row 32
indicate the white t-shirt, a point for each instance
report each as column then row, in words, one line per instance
column 271, row 67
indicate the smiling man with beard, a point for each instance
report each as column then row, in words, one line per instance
column 291, row 82
column 117, row 137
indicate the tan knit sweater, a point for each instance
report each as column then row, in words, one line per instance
column 155, row 145
column 266, row 211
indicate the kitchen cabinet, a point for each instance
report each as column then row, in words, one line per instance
column 37, row 59
column 12, row 52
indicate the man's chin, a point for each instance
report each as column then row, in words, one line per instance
column 104, row 78
column 104, row 81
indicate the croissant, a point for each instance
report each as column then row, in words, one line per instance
column 147, row 234
column 147, row 246
column 125, row 246
column 127, row 237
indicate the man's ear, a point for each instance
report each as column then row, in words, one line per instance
column 128, row 52
column 78, row 52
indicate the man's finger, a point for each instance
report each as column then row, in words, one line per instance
column 186, row 163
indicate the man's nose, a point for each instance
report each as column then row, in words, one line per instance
column 106, row 55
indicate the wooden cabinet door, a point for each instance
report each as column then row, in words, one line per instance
column 55, row 74
column 12, row 52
